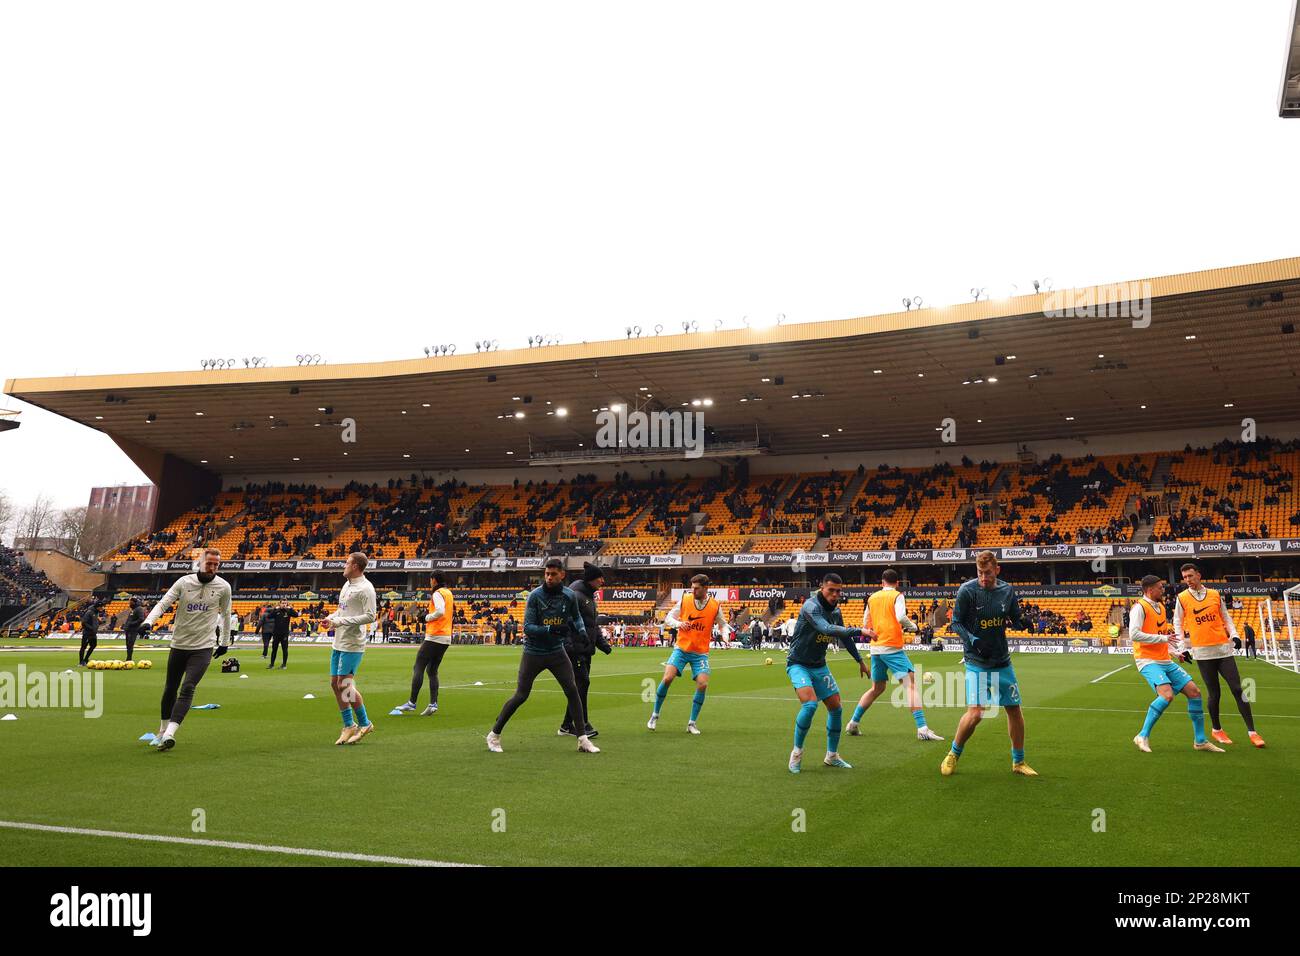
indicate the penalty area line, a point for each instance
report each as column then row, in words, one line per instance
column 1097, row 680
column 227, row 844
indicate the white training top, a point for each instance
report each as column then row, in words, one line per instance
column 357, row 608
column 905, row 622
column 720, row 627
column 1207, row 652
column 1137, row 616
column 200, row 610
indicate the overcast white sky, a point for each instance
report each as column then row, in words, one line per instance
column 181, row 180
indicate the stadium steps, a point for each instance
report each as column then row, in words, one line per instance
column 1159, row 474
column 217, row 534
column 348, row 519
column 791, row 483
column 33, row 611
column 999, row 484
column 957, row 517
column 557, row 530
column 638, row 519
column 474, row 513
column 693, row 525
column 851, row 492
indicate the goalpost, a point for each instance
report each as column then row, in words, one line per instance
column 1280, row 648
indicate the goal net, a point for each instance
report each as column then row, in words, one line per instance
column 1277, row 629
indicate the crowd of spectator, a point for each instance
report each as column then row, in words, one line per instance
column 1248, row 461
column 20, row 583
column 402, row 516
column 1044, row 621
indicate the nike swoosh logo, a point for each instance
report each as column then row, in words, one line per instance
column 1198, row 610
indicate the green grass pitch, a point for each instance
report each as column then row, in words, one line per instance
column 264, row 770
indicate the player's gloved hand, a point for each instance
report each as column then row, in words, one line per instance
column 220, row 650
column 559, row 630
column 1185, row 657
column 605, row 647
column 145, row 628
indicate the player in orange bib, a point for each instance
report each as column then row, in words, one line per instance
column 437, row 638
column 886, row 614
column 1200, row 615
column 693, row 618
column 1149, row 630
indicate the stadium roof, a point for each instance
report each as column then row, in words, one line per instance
column 1212, row 348
column 1289, row 105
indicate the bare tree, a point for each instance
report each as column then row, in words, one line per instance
column 106, row 529
column 6, row 514
column 37, row 519
column 70, row 523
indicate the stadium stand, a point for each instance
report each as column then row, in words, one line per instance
column 1227, row 491
column 21, row 584
column 1232, row 490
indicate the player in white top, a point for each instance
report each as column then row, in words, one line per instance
column 358, row 607
column 202, row 603
column 1212, row 634
column 694, row 618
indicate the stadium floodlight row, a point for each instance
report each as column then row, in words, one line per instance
column 1052, row 365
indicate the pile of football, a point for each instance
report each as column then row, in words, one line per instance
column 120, row 665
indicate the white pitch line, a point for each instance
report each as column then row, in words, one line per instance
column 1096, row 680
column 228, row 844
column 791, row 699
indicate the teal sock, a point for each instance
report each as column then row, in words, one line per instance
column 919, row 717
column 858, row 711
column 1017, row 756
column 696, row 703
column 1154, row 710
column 802, row 722
column 346, row 713
column 957, row 749
column 1196, row 711
column 362, row 719
column 833, row 720
column 660, row 693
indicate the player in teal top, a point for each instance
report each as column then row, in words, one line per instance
column 985, row 607
column 820, row 623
